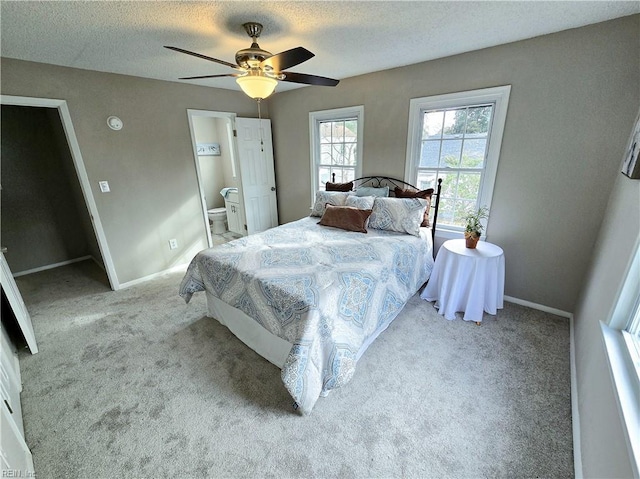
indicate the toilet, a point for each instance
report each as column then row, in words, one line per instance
column 218, row 218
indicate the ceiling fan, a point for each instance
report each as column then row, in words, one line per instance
column 259, row 70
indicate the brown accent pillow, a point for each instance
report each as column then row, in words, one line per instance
column 345, row 217
column 338, row 186
column 424, row 194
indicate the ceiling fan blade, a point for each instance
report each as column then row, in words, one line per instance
column 204, row 57
column 309, row 79
column 211, row 76
column 287, row 59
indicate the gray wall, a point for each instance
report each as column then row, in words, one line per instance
column 44, row 217
column 573, row 97
column 149, row 163
column 604, row 451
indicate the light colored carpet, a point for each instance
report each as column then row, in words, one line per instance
column 136, row 383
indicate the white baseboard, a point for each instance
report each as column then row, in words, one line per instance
column 540, row 307
column 51, row 266
column 180, row 267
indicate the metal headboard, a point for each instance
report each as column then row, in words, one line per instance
column 392, row 183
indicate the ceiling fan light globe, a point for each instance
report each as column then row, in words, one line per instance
column 257, row 87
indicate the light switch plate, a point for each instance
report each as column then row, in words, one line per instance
column 104, row 186
column 173, row 243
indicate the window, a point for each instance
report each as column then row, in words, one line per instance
column 457, row 137
column 336, row 146
column 631, row 334
column 622, row 344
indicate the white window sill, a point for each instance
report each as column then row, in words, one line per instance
column 444, row 234
column 626, row 389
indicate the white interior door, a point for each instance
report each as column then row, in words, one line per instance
column 255, row 155
column 14, row 297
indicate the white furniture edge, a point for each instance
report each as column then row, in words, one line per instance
column 29, row 472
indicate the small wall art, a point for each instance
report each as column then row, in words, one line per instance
column 631, row 163
column 208, row 149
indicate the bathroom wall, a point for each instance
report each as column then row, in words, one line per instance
column 226, row 154
column 212, row 171
column 44, row 217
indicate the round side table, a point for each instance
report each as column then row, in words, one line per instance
column 467, row 280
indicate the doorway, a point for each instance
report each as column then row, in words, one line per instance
column 217, row 172
column 249, row 170
column 57, row 220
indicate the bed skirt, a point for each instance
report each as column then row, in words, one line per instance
column 249, row 331
column 271, row 347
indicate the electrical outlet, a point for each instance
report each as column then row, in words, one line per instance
column 104, row 186
column 173, row 243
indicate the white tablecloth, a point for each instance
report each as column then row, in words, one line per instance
column 469, row 280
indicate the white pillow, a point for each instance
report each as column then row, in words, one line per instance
column 403, row 215
column 372, row 191
column 335, row 198
column 360, row 202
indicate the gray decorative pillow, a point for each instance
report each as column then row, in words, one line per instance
column 360, row 202
column 371, row 191
column 335, row 198
column 403, row 215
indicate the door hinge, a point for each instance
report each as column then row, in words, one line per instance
column 245, row 226
column 235, row 133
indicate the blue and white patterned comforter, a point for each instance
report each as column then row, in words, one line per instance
column 327, row 291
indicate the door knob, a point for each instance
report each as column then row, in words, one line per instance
column 273, row 188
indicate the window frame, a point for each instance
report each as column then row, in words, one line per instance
column 621, row 350
column 336, row 114
column 499, row 97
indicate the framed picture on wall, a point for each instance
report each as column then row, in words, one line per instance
column 208, row 149
column 631, row 164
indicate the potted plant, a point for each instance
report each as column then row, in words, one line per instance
column 474, row 227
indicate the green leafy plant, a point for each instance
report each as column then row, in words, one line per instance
column 474, row 224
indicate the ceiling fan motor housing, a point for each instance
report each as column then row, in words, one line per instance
column 252, row 57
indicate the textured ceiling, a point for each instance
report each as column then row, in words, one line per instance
column 348, row 37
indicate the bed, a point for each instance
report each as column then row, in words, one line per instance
column 311, row 297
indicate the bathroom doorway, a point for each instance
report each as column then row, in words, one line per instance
column 235, row 168
column 217, row 173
